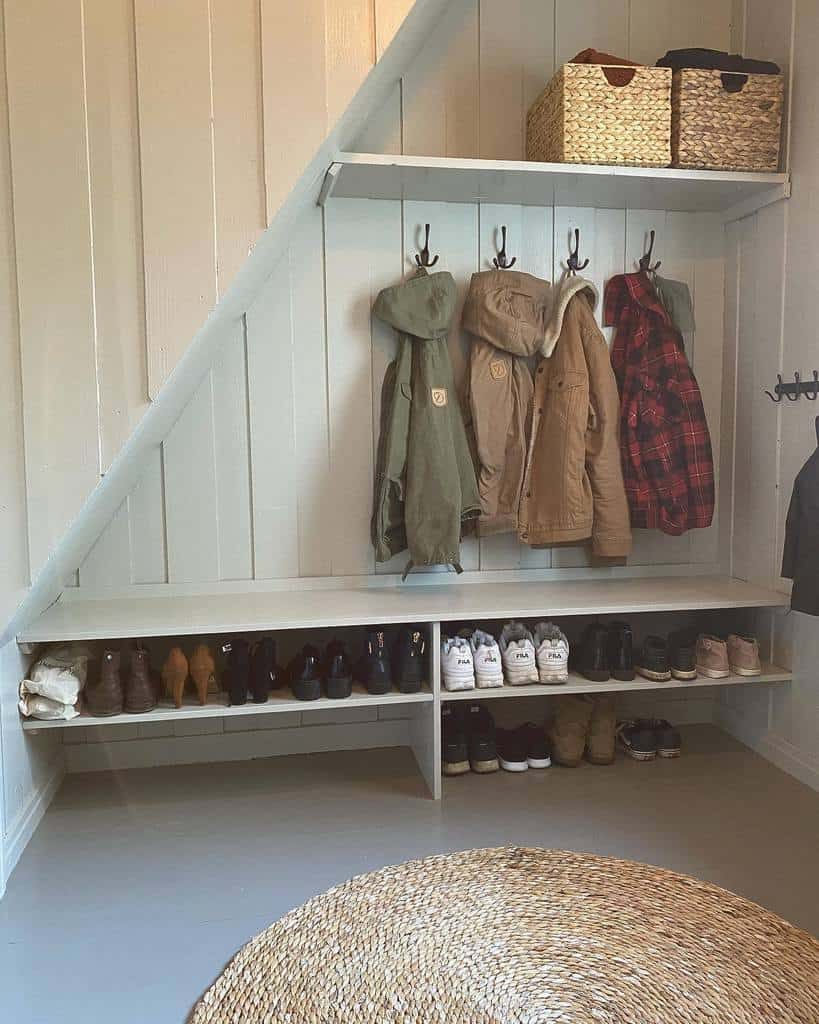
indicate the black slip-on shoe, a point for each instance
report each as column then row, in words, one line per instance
column 512, row 750
column 638, row 739
column 537, row 749
column 374, row 669
column 652, row 662
column 409, row 655
column 454, row 746
column 668, row 739
column 682, row 654
column 593, row 659
column 338, row 674
column 621, row 651
column 263, row 669
column 238, row 669
column 305, row 674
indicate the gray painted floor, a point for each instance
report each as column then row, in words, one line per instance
column 139, row 886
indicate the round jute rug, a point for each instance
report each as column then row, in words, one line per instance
column 526, row 936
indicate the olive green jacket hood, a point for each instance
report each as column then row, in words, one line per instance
column 425, row 488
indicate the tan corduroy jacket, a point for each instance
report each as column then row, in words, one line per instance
column 547, row 446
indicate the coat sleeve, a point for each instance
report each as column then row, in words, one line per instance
column 611, row 529
column 789, row 553
column 491, row 407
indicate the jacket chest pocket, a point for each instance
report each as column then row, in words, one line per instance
column 564, row 392
column 562, row 436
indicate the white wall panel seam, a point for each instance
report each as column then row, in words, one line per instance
column 90, row 187
column 216, row 282
column 249, row 452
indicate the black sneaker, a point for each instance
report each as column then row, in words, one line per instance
column 454, row 748
column 620, row 649
column 374, row 668
column 237, row 674
column 537, row 749
column 593, row 659
column 668, row 739
column 512, row 750
column 264, row 674
column 682, row 653
column 305, row 674
column 480, row 733
column 638, row 738
column 409, row 660
column 338, row 675
column 652, row 662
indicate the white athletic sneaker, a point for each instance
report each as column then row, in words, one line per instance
column 518, row 654
column 552, row 653
column 487, row 657
column 457, row 666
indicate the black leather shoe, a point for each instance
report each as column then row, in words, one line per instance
column 410, row 660
column 305, row 674
column 238, row 669
column 338, row 675
column 621, row 653
column 593, row 662
column 682, row 654
column 264, row 674
column 652, row 662
column 374, row 669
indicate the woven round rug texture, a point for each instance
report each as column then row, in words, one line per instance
column 521, row 936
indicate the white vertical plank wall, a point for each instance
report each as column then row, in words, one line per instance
column 113, row 151
column 173, row 67
column 52, row 225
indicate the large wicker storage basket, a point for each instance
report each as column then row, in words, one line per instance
column 714, row 129
column 581, row 118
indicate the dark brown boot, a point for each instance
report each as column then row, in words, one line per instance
column 140, row 685
column 103, row 691
column 567, row 731
column 600, row 738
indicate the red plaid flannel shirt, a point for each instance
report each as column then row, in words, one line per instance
column 665, row 446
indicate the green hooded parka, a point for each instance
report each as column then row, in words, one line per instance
column 425, row 487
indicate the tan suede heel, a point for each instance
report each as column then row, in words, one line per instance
column 175, row 674
column 203, row 671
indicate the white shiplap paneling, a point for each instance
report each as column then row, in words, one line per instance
column 173, row 67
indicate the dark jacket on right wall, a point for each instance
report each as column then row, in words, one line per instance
column 800, row 559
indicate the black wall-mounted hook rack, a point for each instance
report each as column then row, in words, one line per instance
column 500, row 260
column 645, row 259
column 794, row 391
column 422, row 258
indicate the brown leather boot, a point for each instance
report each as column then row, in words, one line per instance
column 140, row 685
column 567, row 731
column 602, row 727
column 174, row 674
column 103, row 691
column 203, row 671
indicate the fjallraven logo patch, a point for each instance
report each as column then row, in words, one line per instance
column 439, row 397
column 497, row 369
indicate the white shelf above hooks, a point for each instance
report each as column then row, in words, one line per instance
column 732, row 194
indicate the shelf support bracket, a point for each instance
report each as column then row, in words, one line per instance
column 329, row 183
column 757, row 202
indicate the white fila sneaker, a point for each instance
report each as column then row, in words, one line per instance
column 487, row 657
column 518, row 655
column 457, row 666
column 552, row 653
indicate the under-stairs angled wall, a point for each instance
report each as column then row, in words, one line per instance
column 269, row 472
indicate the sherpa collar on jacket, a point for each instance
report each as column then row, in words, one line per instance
column 520, row 313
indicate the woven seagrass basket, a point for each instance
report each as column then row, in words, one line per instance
column 714, row 129
column 582, row 118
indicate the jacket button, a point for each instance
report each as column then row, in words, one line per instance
column 528, row 494
column 540, row 369
column 540, row 410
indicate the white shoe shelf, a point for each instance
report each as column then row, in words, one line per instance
column 431, row 606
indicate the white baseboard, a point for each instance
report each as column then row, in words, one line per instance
column 778, row 751
column 25, row 824
column 236, row 746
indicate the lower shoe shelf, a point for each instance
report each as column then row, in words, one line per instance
column 218, row 707
column 578, row 684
